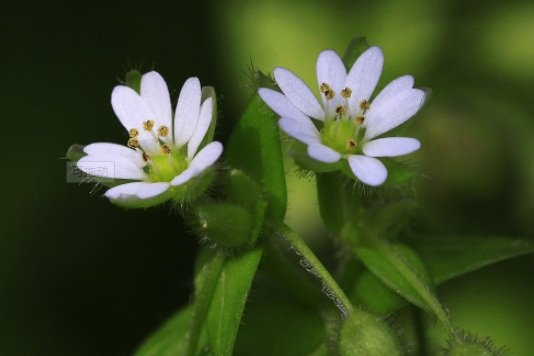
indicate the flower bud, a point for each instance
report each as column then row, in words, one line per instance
column 365, row 334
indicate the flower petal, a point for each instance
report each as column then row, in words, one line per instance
column 301, row 130
column 323, row 153
column 132, row 111
column 152, row 190
column 156, row 94
column 204, row 159
column 102, row 148
column 281, row 105
column 391, row 147
column 368, row 170
column 187, row 111
column 138, row 194
column 203, row 124
column 124, row 168
column 298, row 93
column 393, row 112
column 331, row 70
column 363, row 77
column 394, row 88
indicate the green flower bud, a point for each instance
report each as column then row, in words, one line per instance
column 365, row 334
column 469, row 345
column 223, row 224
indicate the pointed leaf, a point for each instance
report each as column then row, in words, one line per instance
column 172, row 338
column 254, row 147
column 450, row 256
column 224, row 317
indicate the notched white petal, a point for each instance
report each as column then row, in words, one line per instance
column 155, row 92
column 103, row 148
column 204, row 159
column 363, row 77
column 130, row 108
column 298, row 93
column 331, row 70
column 322, row 153
column 368, row 170
column 391, row 147
column 187, row 111
column 302, row 131
column 393, row 112
column 123, row 168
column 203, row 124
column 152, row 190
column 281, row 105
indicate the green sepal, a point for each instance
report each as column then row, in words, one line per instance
column 172, row 337
column 450, row 256
column 260, row 80
column 228, row 303
column 255, row 148
column 133, row 80
column 356, row 47
column 225, row 224
column 299, row 153
column 75, row 152
column 365, row 334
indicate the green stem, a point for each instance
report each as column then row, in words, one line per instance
column 312, row 264
column 204, row 294
column 393, row 257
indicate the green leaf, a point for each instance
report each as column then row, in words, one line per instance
column 229, row 300
column 255, row 148
column 450, row 256
column 356, row 47
column 209, row 92
column 172, row 338
column 375, row 295
column 380, row 263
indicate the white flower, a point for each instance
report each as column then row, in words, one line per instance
column 351, row 123
column 161, row 156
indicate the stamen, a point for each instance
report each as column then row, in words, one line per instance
column 350, row 144
column 165, row 150
column 163, row 131
column 340, row 110
column 148, row 125
column 146, row 156
column 327, row 91
column 359, row 119
column 364, row 105
column 134, row 133
column 346, row 93
column 133, row 143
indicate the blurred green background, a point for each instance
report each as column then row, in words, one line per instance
column 79, row 276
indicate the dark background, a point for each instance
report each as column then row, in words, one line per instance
column 79, row 276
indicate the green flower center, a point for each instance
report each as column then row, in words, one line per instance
column 166, row 165
column 342, row 135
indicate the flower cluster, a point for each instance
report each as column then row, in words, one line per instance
column 350, row 122
column 163, row 156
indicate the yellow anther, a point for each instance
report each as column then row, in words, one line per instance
column 148, row 125
column 165, row 149
column 350, row 144
column 327, row 91
column 163, row 131
column 146, row 156
column 340, row 110
column 364, row 105
column 325, row 87
column 134, row 133
column 346, row 93
column 133, row 143
column 359, row 119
